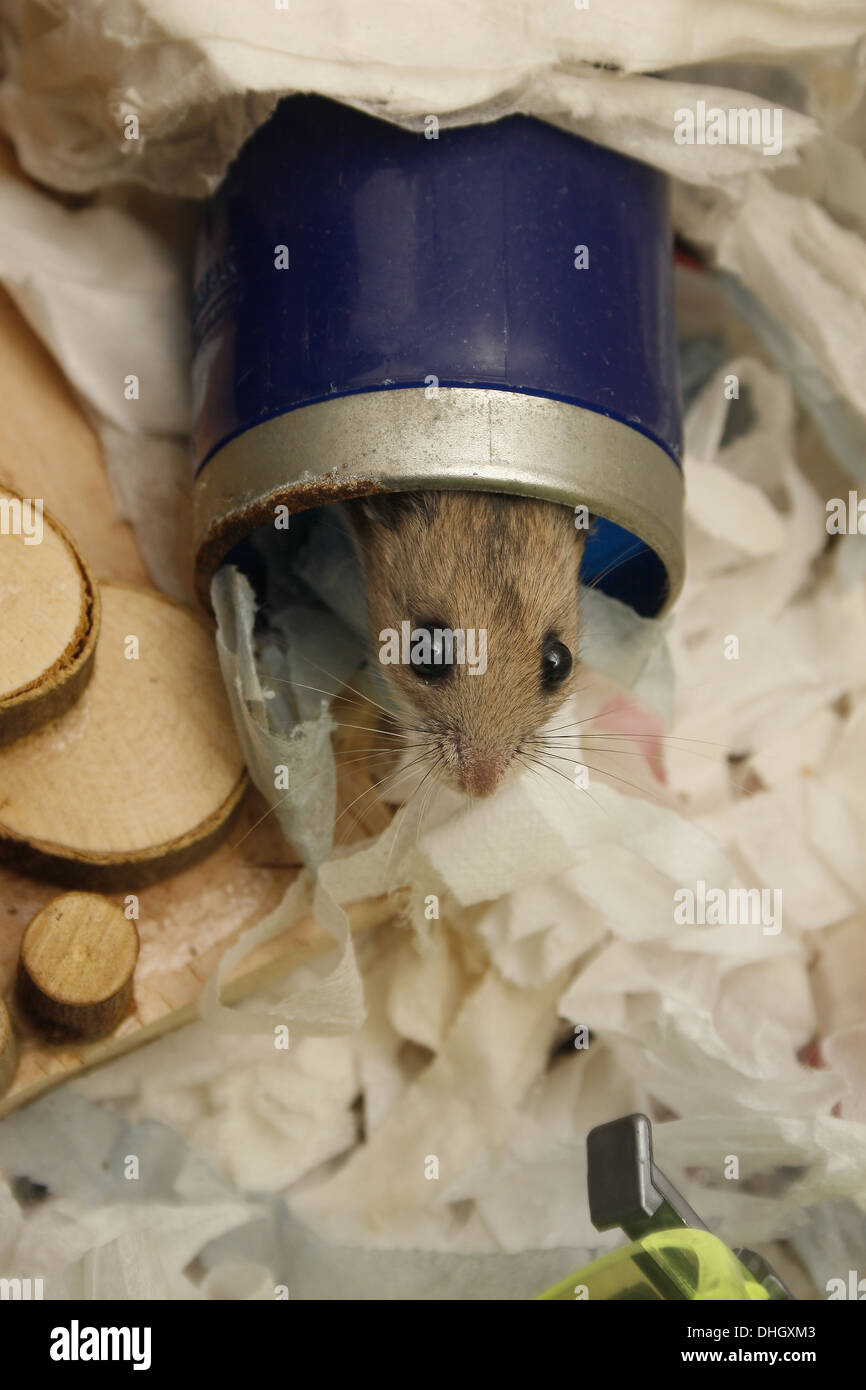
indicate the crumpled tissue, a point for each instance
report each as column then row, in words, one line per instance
column 431, row 1144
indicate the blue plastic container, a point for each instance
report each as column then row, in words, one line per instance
column 489, row 309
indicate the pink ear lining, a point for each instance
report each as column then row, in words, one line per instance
column 622, row 716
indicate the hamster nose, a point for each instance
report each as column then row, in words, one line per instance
column 481, row 774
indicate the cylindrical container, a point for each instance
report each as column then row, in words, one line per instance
column 486, row 307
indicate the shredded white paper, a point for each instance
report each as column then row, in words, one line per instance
column 424, row 1134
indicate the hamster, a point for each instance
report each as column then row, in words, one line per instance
column 501, row 570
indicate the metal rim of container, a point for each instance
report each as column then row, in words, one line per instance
column 462, row 438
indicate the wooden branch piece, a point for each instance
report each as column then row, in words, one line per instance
column 76, row 965
column 49, row 617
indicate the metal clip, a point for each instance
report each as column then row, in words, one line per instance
column 628, row 1191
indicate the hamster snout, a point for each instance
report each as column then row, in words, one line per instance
column 475, row 771
column 473, row 601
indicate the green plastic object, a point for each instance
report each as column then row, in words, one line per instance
column 672, row 1255
column 677, row 1264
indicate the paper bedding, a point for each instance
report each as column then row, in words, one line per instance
column 456, row 1036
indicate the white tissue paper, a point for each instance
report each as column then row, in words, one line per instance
column 423, row 1137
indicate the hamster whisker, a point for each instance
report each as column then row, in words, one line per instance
column 603, row 772
column 622, row 559
column 403, row 813
column 663, row 742
column 373, row 755
column 269, row 677
column 581, row 741
column 287, row 680
column 648, row 742
column 388, row 748
column 574, row 723
column 258, row 822
column 530, row 766
column 388, row 777
column 737, row 783
column 536, row 758
column 431, row 791
column 384, row 733
column 618, row 752
column 639, row 736
column 397, row 824
column 345, row 686
column 527, row 765
column 534, row 770
column 283, row 799
column 335, row 694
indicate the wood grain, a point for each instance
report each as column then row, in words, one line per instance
column 49, row 619
column 75, row 966
column 8, row 1050
column 143, row 775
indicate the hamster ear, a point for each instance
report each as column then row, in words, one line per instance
column 582, row 532
column 389, row 509
column 363, row 518
column 367, row 511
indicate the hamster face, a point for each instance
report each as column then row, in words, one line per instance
column 473, row 602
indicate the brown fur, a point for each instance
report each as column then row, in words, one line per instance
column 474, row 560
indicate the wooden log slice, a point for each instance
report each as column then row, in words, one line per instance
column 49, row 617
column 142, row 776
column 76, row 966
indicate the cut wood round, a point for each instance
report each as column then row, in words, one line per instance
column 8, row 1049
column 142, row 776
column 49, row 617
column 76, row 965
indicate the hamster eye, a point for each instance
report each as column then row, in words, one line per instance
column 555, row 662
column 431, row 654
